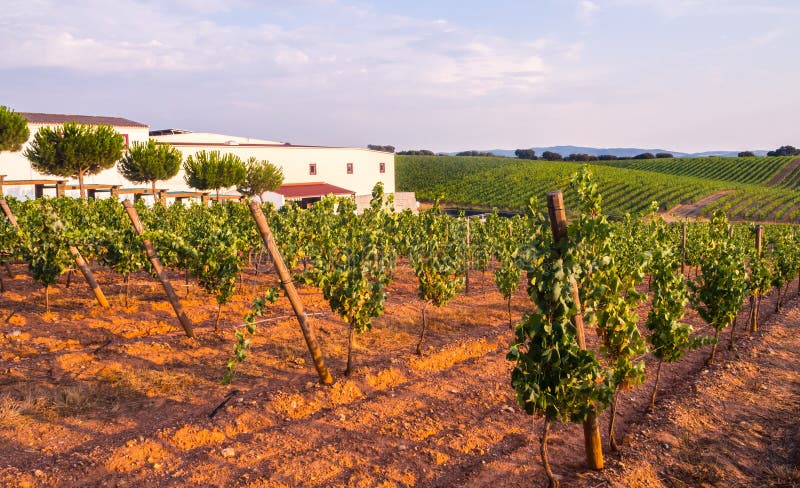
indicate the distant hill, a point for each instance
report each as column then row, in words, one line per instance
column 616, row 151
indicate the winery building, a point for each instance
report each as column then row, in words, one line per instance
column 310, row 172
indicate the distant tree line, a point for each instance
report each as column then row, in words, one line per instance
column 417, row 152
column 554, row 156
column 785, row 151
column 475, row 153
column 376, row 147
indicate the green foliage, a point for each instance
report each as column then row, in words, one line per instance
column 13, row 130
column 608, row 285
column 213, row 170
column 355, row 261
column 628, row 186
column 436, row 257
column 722, row 284
column 669, row 337
column 552, row 376
column 244, row 339
column 260, row 176
column 45, row 246
column 150, row 162
column 218, row 250
column 74, row 150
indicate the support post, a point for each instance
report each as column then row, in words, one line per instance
column 9, row 215
column 2, row 180
column 38, row 191
column 162, row 197
column 159, row 269
column 755, row 302
column 204, row 199
column 85, row 270
column 61, row 188
column 468, row 258
column 291, row 293
column 683, row 248
column 591, row 429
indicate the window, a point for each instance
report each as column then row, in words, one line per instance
column 382, row 167
column 125, row 137
column 349, row 168
column 312, row 168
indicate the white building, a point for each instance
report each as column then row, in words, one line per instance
column 354, row 170
column 310, row 172
column 16, row 167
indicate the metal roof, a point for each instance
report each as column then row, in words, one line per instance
column 310, row 190
column 39, row 118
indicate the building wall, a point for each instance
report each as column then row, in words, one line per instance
column 16, row 167
column 331, row 164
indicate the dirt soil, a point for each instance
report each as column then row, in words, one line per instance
column 120, row 397
column 693, row 210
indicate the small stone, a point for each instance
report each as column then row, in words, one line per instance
column 38, row 473
column 228, row 452
column 402, row 447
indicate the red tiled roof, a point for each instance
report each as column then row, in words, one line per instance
column 308, row 190
column 37, row 118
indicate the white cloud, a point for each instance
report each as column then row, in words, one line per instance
column 432, row 57
column 586, row 10
column 767, row 38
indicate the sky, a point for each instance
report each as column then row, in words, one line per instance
column 445, row 75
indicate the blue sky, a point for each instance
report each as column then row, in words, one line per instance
column 687, row 75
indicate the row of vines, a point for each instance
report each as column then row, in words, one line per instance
column 582, row 341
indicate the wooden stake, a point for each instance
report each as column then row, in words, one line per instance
column 683, row 249
column 591, row 429
column 468, row 262
column 288, row 286
column 754, row 300
column 159, row 269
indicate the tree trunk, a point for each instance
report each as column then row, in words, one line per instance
column 424, row 326
column 47, row 298
column 127, row 280
column 752, row 319
column 8, row 270
column 80, row 185
column 612, row 440
column 155, row 193
column 713, row 349
column 553, row 482
column 2, row 286
column 186, row 280
column 218, row 195
column 510, row 324
column 69, row 278
column 219, row 312
column 733, row 337
column 350, row 339
column 655, row 387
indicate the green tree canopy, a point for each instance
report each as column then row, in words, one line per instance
column 75, row 150
column 212, row 171
column 150, row 162
column 260, row 176
column 13, row 130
